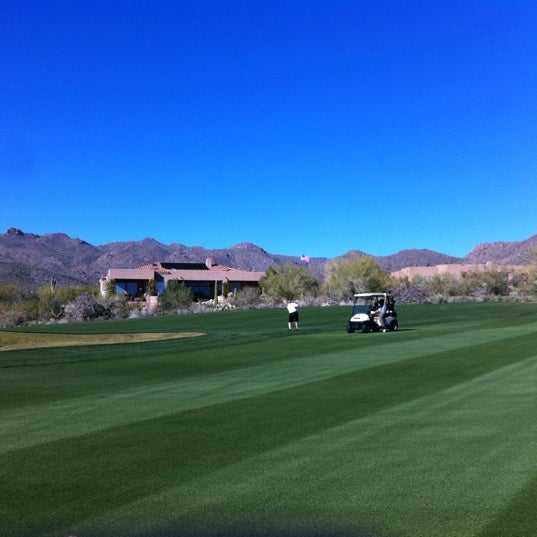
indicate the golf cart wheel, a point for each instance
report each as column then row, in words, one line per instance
column 350, row 328
column 366, row 328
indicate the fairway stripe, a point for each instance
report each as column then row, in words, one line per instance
column 34, row 424
column 420, row 481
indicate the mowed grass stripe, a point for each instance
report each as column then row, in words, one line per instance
column 517, row 518
column 431, row 467
column 34, row 424
column 144, row 458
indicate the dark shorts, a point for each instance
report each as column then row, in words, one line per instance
column 293, row 317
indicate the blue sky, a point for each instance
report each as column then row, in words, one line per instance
column 305, row 127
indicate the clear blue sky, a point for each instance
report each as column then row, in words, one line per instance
column 305, row 127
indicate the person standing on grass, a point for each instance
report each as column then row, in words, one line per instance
column 292, row 308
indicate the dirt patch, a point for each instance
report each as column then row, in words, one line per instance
column 12, row 341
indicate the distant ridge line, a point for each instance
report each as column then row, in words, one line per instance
column 32, row 260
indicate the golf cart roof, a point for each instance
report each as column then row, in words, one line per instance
column 370, row 295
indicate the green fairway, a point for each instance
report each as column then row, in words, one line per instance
column 251, row 429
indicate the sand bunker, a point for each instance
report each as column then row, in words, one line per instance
column 11, row 341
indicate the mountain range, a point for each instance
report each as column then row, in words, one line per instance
column 31, row 260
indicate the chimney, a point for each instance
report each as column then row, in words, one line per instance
column 209, row 262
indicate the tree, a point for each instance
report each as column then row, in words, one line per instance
column 176, row 296
column 361, row 274
column 288, row 282
column 532, row 273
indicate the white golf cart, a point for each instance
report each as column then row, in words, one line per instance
column 373, row 312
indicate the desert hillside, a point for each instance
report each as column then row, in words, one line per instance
column 32, row 260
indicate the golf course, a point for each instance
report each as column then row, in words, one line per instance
column 229, row 424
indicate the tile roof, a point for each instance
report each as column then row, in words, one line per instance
column 186, row 271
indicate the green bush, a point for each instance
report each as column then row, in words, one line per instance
column 177, row 296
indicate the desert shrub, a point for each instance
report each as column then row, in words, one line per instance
column 447, row 285
column 117, row 306
column 9, row 294
column 483, row 284
column 413, row 294
column 18, row 314
column 247, row 297
column 110, row 287
column 177, row 296
column 17, row 306
column 86, row 307
column 520, row 285
column 53, row 301
column 473, row 284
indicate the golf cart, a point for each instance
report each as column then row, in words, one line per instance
column 373, row 312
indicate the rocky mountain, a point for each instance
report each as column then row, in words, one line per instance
column 509, row 253
column 33, row 260
column 409, row 258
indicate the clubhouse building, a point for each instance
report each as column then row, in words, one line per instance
column 205, row 280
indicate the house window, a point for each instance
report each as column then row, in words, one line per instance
column 121, row 287
column 203, row 290
column 234, row 287
column 127, row 288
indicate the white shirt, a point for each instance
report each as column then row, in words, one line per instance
column 291, row 307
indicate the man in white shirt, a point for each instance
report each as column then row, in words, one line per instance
column 292, row 307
